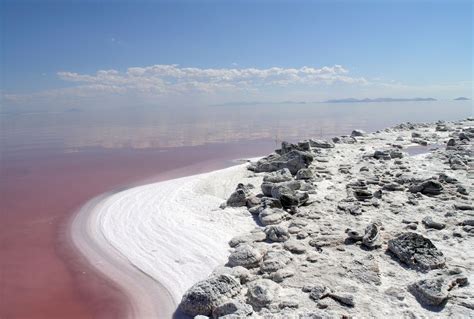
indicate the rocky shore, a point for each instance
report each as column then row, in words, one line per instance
column 353, row 227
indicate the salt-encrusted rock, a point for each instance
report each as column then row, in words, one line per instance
column 363, row 194
column 245, row 256
column 277, row 233
column 372, row 238
column 318, row 292
column 282, row 274
column 239, row 196
column 295, row 246
column 235, row 308
column 274, row 260
column 321, row 144
column 203, row 297
column 391, row 187
column 344, row 298
column 394, row 153
column 430, row 223
column 279, row 176
column 304, row 174
column 416, row 251
column 272, row 216
column 262, row 292
column 293, row 160
column 429, row 187
column 435, row 291
column 357, row 133
column 254, row 236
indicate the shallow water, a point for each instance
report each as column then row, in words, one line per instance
column 53, row 161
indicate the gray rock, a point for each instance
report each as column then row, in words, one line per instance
column 343, row 298
column 203, row 297
column 372, row 238
column 430, row 223
column 304, row 174
column 384, row 155
column 321, row 144
column 277, row 233
column 435, row 291
column 416, row 251
column 245, row 256
column 262, row 292
column 272, row 216
column 281, row 274
column 319, row 292
column 293, row 160
column 295, row 246
column 235, row 308
column 275, row 260
column 239, row 196
column 429, row 187
column 357, row 133
column 280, row 176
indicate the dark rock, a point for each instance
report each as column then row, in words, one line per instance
column 430, row 223
column 319, row 292
column 358, row 133
column 372, row 238
column 239, row 196
column 416, row 251
column 304, row 174
column 321, row 144
column 429, row 187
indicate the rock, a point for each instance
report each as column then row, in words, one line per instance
column 277, row 233
column 262, row 292
column 245, row 256
column 419, row 141
column 372, row 238
column 294, row 246
column 275, row 260
column 272, row 216
column 430, row 223
column 256, row 235
column 416, row 251
column 357, row 133
column 239, row 196
column 321, row 144
column 363, row 194
column 463, row 206
column 304, row 174
column 435, row 291
column 235, row 308
column 203, row 297
column 343, row 298
column 319, row 292
column 396, row 154
column 293, row 160
column 384, row 155
column 391, row 187
column 279, row 176
column 429, row 187
column 451, row 143
column 281, row 274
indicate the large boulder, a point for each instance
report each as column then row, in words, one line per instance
column 235, row 309
column 272, row 216
column 203, row 297
column 293, row 160
column 262, row 292
column 416, row 251
column 246, row 256
column 279, row 176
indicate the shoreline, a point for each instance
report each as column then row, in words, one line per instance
column 147, row 297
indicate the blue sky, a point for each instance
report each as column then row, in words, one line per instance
column 54, row 49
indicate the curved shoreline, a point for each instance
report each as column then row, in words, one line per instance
column 148, row 295
column 142, row 291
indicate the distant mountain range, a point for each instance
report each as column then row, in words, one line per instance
column 461, row 98
column 382, row 99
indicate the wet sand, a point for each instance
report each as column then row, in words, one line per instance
column 41, row 276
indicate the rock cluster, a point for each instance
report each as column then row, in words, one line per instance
column 338, row 220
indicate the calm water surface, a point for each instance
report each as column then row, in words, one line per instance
column 53, row 162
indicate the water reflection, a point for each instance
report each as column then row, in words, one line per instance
column 161, row 127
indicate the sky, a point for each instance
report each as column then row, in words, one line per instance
column 95, row 52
